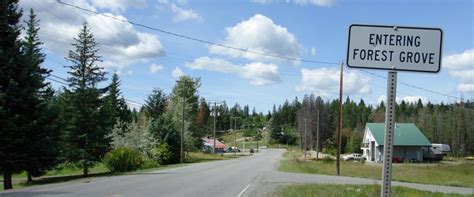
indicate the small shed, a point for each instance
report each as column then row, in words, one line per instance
column 408, row 143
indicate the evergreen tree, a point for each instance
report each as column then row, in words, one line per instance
column 156, row 103
column 43, row 110
column 186, row 88
column 116, row 104
column 13, row 93
column 85, row 136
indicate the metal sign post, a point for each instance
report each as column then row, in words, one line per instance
column 389, row 131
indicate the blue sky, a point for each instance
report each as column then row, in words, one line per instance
column 302, row 29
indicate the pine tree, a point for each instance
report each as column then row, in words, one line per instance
column 116, row 104
column 13, row 83
column 85, row 137
column 43, row 110
column 155, row 104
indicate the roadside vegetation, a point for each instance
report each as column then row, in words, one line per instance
column 312, row 190
column 455, row 173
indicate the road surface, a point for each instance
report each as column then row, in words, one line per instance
column 243, row 177
column 232, row 177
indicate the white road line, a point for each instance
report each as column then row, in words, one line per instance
column 243, row 191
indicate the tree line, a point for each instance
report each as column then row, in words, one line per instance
column 441, row 123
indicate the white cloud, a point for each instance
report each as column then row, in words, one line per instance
column 258, row 33
column 414, row 99
column 183, row 14
column 325, row 82
column 118, row 5
column 464, row 75
column 461, row 66
column 261, row 74
column 120, row 44
column 256, row 73
column 460, row 61
column 466, row 87
column 313, row 51
column 322, row 3
column 155, row 68
column 177, row 73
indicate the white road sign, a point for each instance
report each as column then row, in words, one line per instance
column 395, row 48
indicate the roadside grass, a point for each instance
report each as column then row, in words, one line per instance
column 350, row 190
column 460, row 174
column 69, row 172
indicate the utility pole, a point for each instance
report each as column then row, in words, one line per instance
column 317, row 136
column 181, row 158
column 339, row 126
column 235, row 133
column 305, row 136
column 215, row 116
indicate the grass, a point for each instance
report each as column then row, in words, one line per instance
column 438, row 174
column 350, row 190
column 65, row 173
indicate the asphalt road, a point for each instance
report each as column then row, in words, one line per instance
column 220, row 178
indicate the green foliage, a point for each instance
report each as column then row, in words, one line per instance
column 327, row 159
column 123, row 159
column 249, row 133
column 130, row 134
column 156, row 103
column 184, row 104
column 84, row 136
column 162, row 154
column 163, row 130
column 115, row 104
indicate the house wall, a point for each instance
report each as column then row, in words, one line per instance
column 403, row 152
column 366, row 146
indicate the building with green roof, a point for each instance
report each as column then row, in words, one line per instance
column 409, row 142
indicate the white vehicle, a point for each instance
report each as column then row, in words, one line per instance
column 353, row 156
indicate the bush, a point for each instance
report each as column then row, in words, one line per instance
column 328, row 159
column 123, row 159
column 162, row 154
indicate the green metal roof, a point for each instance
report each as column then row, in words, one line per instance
column 406, row 134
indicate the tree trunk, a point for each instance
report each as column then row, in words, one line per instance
column 86, row 169
column 7, row 178
column 30, row 178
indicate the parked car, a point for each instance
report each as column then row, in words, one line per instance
column 353, row 156
column 233, row 149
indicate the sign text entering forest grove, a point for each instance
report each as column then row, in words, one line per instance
column 395, row 48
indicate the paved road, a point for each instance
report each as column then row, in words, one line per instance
column 221, row 178
column 247, row 176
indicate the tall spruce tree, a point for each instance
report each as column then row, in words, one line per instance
column 13, row 83
column 85, row 137
column 43, row 112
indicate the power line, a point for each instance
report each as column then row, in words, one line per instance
column 197, row 39
column 240, row 49
column 413, row 86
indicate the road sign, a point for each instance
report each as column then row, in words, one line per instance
column 394, row 48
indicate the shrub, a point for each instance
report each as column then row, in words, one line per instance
column 328, row 159
column 162, row 154
column 123, row 159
